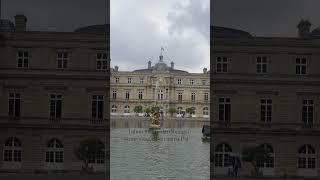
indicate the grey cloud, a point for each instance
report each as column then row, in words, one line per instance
column 57, row 15
column 136, row 39
column 193, row 16
column 265, row 18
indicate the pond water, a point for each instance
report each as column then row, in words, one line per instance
column 176, row 151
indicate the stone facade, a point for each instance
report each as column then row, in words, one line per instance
column 159, row 85
column 266, row 92
column 50, row 83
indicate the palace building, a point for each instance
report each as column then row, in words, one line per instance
column 266, row 93
column 160, row 85
column 54, row 91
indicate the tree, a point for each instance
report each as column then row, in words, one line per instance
column 155, row 109
column 147, row 110
column 88, row 150
column 254, row 155
column 138, row 109
column 190, row 110
column 172, row 110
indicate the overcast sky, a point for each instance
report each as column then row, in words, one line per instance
column 265, row 17
column 57, row 15
column 140, row 28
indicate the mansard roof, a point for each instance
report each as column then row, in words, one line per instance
column 224, row 32
column 99, row 28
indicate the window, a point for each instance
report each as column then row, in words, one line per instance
column 203, row 82
column 102, row 61
column 129, row 80
column 160, row 94
column 222, row 155
column 127, row 109
column 62, row 60
column 97, row 107
column 141, row 80
column 266, row 110
column 193, row 96
column 206, row 96
column 12, row 150
column 262, row 65
column 205, row 111
column 301, row 66
column 191, row 81
column 55, row 106
column 14, row 105
column 180, row 96
column 307, row 111
column 23, row 59
column 100, row 155
column 117, row 80
column 114, row 108
column 307, row 157
column 224, row 109
column 127, row 95
column 179, row 81
column 54, row 151
column 140, row 95
column 114, row 94
column 222, row 64
column 269, row 162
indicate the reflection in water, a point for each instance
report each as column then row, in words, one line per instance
column 154, row 135
column 173, row 152
column 145, row 122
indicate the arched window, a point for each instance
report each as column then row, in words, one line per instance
column 179, row 110
column 12, row 150
column 205, row 111
column 100, row 156
column 54, row 151
column 222, row 155
column 307, row 157
column 127, row 109
column 114, row 108
column 269, row 162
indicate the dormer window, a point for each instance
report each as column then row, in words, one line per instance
column 222, row 64
column 102, row 62
column 262, row 65
column 301, row 66
column 23, row 58
column 191, row 81
column 62, row 59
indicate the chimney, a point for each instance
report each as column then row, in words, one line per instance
column 172, row 65
column 116, row 68
column 205, row 70
column 149, row 64
column 20, row 22
column 304, row 28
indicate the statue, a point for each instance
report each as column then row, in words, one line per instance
column 155, row 118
